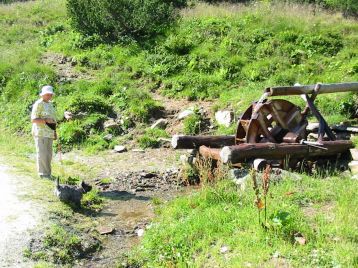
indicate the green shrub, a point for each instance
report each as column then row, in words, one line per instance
column 92, row 200
column 141, row 106
column 193, row 124
column 115, row 19
column 93, row 122
column 70, row 133
column 348, row 7
column 150, row 139
column 88, row 104
column 80, row 41
column 95, row 143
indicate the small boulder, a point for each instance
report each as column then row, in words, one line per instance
column 108, row 137
column 120, row 148
column 239, row 177
column 140, row 232
column 224, row 249
column 312, row 127
column 68, row 115
column 224, row 118
column 353, row 166
column 160, row 123
column 354, row 153
column 110, row 123
column 138, row 150
column 185, row 114
column 103, row 230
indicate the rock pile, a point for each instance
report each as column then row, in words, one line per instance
column 143, row 181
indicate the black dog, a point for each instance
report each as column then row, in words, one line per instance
column 71, row 193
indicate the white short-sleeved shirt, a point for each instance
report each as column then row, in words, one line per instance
column 42, row 110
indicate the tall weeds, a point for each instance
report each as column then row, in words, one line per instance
column 265, row 184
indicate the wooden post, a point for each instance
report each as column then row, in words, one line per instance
column 309, row 89
column 193, row 142
column 209, row 153
column 270, row 151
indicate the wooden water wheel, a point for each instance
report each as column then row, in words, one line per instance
column 273, row 121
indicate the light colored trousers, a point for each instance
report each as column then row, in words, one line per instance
column 44, row 155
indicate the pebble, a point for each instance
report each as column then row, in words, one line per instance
column 138, row 150
column 224, row 118
column 140, row 232
column 224, row 249
column 108, row 137
column 160, row 123
column 185, row 114
column 120, row 148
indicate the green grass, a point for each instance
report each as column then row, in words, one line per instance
column 150, row 139
column 226, row 53
column 58, row 237
column 191, row 230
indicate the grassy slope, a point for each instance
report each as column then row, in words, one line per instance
column 229, row 54
column 190, row 231
column 226, row 53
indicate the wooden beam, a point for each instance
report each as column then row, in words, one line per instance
column 193, row 142
column 209, row 153
column 271, row 151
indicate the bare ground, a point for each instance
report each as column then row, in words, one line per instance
column 128, row 211
column 18, row 217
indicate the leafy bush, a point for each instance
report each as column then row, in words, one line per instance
column 88, row 104
column 193, row 124
column 92, row 200
column 115, row 19
column 95, row 143
column 151, row 138
column 71, row 133
column 141, row 106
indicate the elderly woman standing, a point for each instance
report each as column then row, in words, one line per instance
column 44, row 130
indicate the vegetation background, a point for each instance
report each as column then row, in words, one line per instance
column 221, row 52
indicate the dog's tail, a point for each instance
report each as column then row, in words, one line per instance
column 57, row 182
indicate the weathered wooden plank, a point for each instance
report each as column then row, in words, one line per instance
column 270, row 151
column 193, row 142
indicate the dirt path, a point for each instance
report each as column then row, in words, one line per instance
column 17, row 218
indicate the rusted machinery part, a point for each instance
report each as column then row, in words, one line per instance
column 270, row 151
column 309, row 89
column 271, row 121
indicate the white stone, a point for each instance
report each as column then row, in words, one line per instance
column 239, row 177
column 110, row 123
column 140, row 232
column 224, row 249
column 183, row 159
column 224, row 118
column 185, row 113
column 311, row 127
column 108, row 137
column 68, row 115
column 160, row 123
column 354, row 153
column 353, row 166
column 138, row 150
column 120, row 148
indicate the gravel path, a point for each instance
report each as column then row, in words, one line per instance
column 17, row 217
